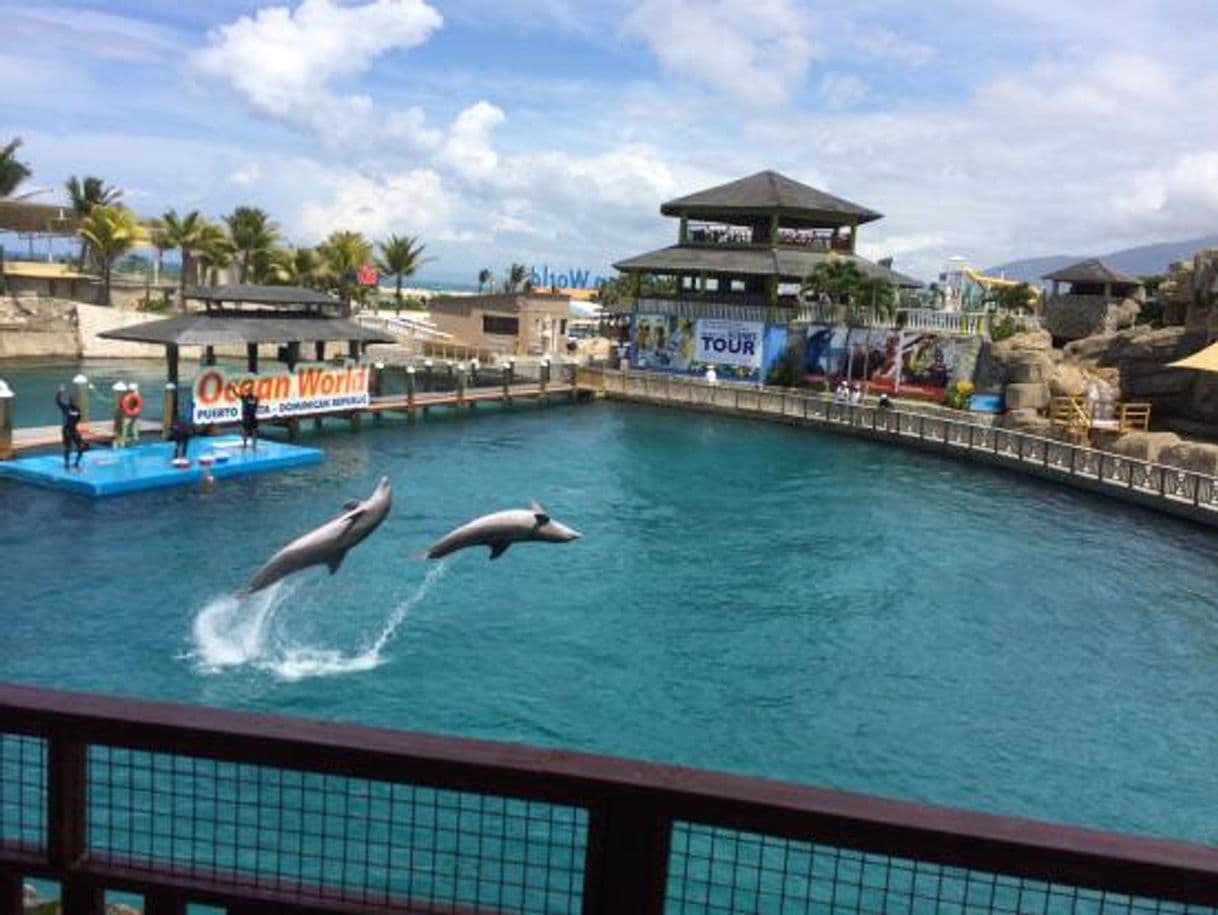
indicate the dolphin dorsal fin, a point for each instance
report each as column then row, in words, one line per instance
column 542, row 516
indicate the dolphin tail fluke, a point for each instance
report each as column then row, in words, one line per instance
column 498, row 549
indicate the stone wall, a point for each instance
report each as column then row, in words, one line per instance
column 31, row 326
column 1072, row 317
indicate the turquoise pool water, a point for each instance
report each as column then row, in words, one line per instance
column 746, row 597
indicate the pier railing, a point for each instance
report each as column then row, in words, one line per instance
column 1170, row 489
column 262, row 814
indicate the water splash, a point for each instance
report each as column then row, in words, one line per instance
column 232, row 631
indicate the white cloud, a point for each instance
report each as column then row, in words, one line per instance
column 468, row 148
column 841, row 90
column 757, row 51
column 247, row 175
column 415, row 201
column 888, row 45
column 283, row 62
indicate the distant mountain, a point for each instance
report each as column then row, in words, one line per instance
column 1144, row 261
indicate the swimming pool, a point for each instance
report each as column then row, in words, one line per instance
column 746, row 597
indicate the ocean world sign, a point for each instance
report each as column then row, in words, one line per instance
column 727, row 342
column 309, row 389
column 571, row 278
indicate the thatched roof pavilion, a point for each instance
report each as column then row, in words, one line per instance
column 739, row 241
column 285, row 315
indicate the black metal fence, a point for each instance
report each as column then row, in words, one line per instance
column 262, row 814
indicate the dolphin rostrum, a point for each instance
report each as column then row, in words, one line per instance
column 501, row 529
column 328, row 544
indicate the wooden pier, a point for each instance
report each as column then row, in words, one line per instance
column 411, row 404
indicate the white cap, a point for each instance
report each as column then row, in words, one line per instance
column 133, row 386
column 119, row 386
column 80, row 379
column 5, row 390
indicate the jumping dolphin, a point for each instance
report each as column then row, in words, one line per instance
column 501, row 529
column 328, row 544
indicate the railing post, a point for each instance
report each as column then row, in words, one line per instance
column 67, row 804
column 6, row 421
column 166, row 903
column 627, row 860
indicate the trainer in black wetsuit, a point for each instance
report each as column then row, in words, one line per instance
column 249, row 418
column 180, row 431
column 71, row 434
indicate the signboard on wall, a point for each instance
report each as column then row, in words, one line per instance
column 308, row 389
column 721, row 341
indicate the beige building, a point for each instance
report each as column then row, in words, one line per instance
column 512, row 324
column 48, row 280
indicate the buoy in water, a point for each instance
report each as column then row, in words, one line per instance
column 206, row 460
column 181, row 463
column 220, row 458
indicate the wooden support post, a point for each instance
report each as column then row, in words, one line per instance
column 251, row 357
column 353, row 350
column 626, row 869
column 67, row 838
column 169, row 408
column 319, row 350
column 171, row 362
column 6, row 421
column 427, row 379
column 410, row 392
column 209, row 355
column 461, row 379
column 80, row 396
column 12, row 892
column 508, row 372
column 374, row 385
column 293, row 355
column 543, row 379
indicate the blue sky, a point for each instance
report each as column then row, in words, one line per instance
column 549, row 131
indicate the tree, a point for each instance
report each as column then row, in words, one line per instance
column 215, row 250
column 485, row 278
column 182, row 232
column 341, row 255
column 12, row 172
column 85, row 194
column 401, row 256
column 878, row 295
column 252, row 231
column 519, row 279
column 109, row 232
column 1017, row 298
column 841, row 281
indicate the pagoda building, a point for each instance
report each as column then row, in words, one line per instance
column 743, row 250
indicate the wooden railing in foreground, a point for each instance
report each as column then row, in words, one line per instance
column 262, row 814
column 1180, row 492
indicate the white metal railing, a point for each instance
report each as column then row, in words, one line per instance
column 1169, row 489
column 403, row 326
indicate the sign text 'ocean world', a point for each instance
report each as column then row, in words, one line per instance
column 308, row 389
column 571, row 278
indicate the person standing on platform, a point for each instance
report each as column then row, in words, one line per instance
column 120, row 424
column 249, row 419
column 71, row 428
column 132, row 404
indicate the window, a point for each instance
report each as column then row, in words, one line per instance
column 499, row 324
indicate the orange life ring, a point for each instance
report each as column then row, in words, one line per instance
column 132, row 403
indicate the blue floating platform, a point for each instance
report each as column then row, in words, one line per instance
column 106, row 472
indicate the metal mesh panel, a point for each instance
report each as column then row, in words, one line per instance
column 23, row 790
column 333, row 837
column 714, row 871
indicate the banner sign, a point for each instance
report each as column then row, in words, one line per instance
column 889, row 359
column 309, row 389
column 728, row 342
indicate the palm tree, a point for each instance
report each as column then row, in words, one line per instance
column 216, row 250
column 485, row 278
column 839, row 279
column 518, row 279
column 879, row 295
column 182, row 232
column 401, row 256
column 341, row 255
column 84, row 196
column 109, row 232
column 12, row 172
column 252, row 231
